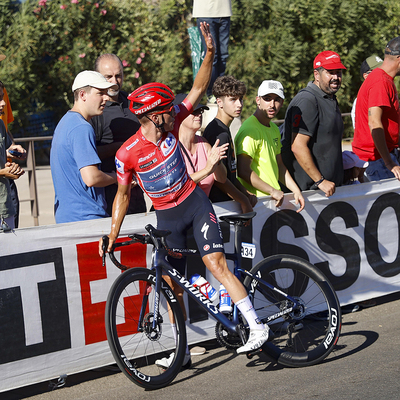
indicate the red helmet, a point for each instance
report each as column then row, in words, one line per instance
column 151, row 97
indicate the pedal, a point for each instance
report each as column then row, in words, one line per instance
column 253, row 353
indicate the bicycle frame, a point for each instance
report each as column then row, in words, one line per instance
column 161, row 266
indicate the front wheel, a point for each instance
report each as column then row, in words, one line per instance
column 306, row 334
column 138, row 335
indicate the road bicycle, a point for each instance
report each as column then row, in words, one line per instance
column 288, row 293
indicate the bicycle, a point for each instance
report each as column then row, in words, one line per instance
column 288, row 293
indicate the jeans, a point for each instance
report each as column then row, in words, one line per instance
column 377, row 170
column 219, row 28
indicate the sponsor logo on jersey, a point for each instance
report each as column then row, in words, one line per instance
column 132, row 144
column 204, row 230
column 217, row 246
column 168, row 144
column 206, row 247
column 141, row 159
column 154, row 160
column 119, row 165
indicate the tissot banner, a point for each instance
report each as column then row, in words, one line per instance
column 53, row 287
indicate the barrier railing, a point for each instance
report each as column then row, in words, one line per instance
column 31, row 171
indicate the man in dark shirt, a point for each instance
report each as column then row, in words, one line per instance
column 116, row 125
column 313, row 129
column 229, row 93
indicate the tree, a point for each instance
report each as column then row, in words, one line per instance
column 47, row 42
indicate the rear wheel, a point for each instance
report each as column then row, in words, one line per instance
column 304, row 335
column 136, row 343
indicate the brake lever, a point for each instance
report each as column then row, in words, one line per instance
column 104, row 247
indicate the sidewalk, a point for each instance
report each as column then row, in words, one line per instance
column 46, row 195
column 45, row 198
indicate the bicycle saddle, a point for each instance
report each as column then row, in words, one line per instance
column 238, row 218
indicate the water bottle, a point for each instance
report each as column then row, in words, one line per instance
column 204, row 286
column 225, row 302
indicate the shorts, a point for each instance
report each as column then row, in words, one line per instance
column 196, row 211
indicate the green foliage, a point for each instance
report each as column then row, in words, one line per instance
column 47, row 42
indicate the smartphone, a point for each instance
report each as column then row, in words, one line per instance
column 16, row 153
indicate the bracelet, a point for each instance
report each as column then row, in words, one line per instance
column 320, row 181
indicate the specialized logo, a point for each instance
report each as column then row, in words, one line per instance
column 204, row 230
column 119, row 165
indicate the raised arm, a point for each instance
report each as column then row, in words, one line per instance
column 203, row 76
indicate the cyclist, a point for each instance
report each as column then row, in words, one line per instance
column 153, row 158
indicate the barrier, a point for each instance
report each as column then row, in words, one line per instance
column 53, row 287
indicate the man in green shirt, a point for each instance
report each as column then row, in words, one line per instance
column 258, row 147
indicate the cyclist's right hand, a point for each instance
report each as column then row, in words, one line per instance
column 108, row 248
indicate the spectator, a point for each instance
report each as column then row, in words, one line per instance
column 313, row 130
column 367, row 66
column 258, row 146
column 218, row 15
column 179, row 203
column 229, row 93
column 78, row 181
column 202, row 161
column 116, row 125
column 376, row 135
column 353, row 168
column 7, row 117
column 8, row 171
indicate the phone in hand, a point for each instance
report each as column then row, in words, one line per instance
column 16, row 153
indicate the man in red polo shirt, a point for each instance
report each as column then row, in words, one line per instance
column 376, row 135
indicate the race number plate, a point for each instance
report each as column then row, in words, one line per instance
column 248, row 250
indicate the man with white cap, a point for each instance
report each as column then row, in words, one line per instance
column 313, row 129
column 78, row 181
column 258, row 147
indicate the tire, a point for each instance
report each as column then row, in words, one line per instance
column 136, row 348
column 305, row 336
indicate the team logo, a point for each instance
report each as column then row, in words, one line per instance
column 119, row 166
column 296, row 120
column 204, row 230
column 206, row 247
column 168, row 144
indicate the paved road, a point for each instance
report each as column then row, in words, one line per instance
column 365, row 365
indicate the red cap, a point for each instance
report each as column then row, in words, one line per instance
column 328, row 60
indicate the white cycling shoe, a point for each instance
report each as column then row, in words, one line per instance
column 256, row 339
column 166, row 362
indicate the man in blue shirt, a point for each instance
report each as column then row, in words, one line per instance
column 78, row 181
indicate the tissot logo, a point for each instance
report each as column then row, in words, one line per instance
column 31, row 284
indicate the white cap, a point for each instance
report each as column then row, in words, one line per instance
column 268, row 87
column 351, row 160
column 93, row 79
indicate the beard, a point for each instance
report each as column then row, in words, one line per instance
column 113, row 93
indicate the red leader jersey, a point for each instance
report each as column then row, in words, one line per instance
column 159, row 168
column 378, row 90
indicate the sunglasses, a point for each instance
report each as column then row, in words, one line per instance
column 198, row 112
